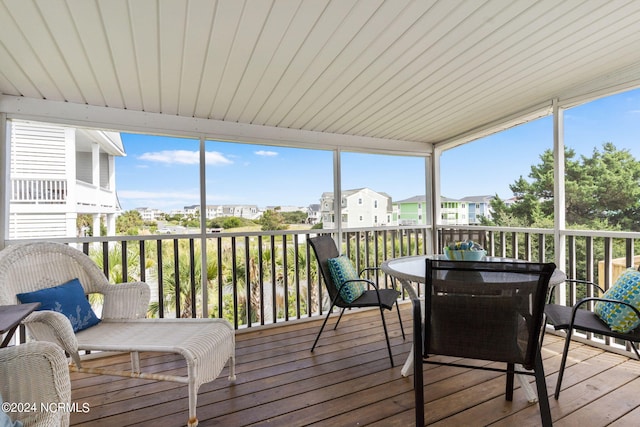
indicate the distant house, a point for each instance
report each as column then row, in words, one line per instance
column 478, row 207
column 149, row 214
column 361, row 207
column 465, row 211
column 314, row 215
column 58, row 173
column 241, row 211
column 412, row 211
column 217, row 211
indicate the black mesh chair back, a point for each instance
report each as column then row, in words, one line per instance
column 484, row 310
column 324, row 248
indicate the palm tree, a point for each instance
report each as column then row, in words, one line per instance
column 183, row 281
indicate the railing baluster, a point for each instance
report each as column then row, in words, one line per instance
column 160, row 279
column 234, row 280
column 261, row 279
column 247, row 279
column 220, row 277
column 274, row 299
column 176, row 277
column 192, row 274
column 125, row 272
column 285, row 281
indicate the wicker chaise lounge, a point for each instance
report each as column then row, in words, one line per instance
column 206, row 344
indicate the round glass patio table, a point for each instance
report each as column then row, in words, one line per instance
column 410, row 272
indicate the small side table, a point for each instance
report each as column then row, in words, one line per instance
column 11, row 316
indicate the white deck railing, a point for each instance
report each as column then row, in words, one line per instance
column 260, row 278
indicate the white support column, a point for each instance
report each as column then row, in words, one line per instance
column 5, row 182
column 71, row 202
column 435, row 196
column 337, row 195
column 96, row 225
column 203, row 229
column 95, row 165
column 559, row 204
column 111, row 224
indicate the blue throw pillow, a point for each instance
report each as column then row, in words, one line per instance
column 68, row 299
column 342, row 270
column 621, row 318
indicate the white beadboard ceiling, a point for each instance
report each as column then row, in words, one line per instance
column 401, row 73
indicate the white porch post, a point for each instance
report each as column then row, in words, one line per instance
column 95, row 166
column 433, row 186
column 337, row 196
column 4, row 181
column 203, row 229
column 559, row 206
column 110, row 222
column 96, row 224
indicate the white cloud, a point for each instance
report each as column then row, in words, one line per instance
column 265, row 153
column 185, row 157
column 159, row 195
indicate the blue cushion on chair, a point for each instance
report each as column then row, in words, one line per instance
column 68, row 299
column 621, row 318
column 342, row 270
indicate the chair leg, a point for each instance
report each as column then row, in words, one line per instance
column 541, row 385
column 565, row 352
column 321, row 328
column 339, row 318
column 386, row 334
column 510, row 379
column 635, row 349
column 400, row 320
column 418, row 380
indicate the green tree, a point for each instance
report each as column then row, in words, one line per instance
column 129, row 223
column 297, row 217
column 84, row 225
column 601, row 192
column 272, row 219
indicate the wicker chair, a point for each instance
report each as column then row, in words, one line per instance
column 206, row 344
column 36, row 374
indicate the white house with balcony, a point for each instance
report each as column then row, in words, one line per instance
column 478, row 207
column 57, row 173
column 360, row 207
column 149, row 214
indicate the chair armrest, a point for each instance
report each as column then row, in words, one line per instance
column 35, row 373
column 125, row 300
column 583, row 301
column 586, row 283
column 378, row 269
column 54, row 327
column 367, row 281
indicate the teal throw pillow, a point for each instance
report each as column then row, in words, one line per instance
column 68, row 299
column 342, row 270
column 621, row 318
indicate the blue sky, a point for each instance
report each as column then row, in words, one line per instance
column 162, row 172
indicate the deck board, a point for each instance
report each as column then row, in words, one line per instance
column 348, row 380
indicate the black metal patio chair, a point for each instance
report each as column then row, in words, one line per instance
column 581, row 317
column 482, row 310
column 325, row 249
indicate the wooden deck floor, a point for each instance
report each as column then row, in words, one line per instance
column 348, row 381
